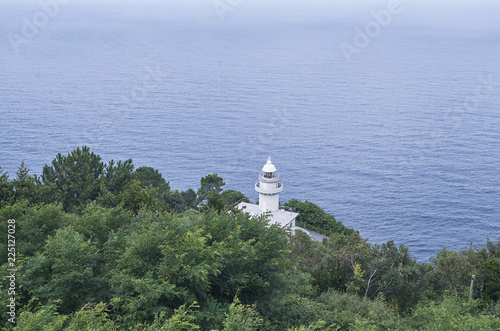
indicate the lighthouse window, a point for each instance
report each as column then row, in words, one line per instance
column 268, row 175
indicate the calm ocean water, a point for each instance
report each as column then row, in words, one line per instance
column 401, row 141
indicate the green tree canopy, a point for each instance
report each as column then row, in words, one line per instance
column 189, row 197
column 75, row 176
column 81, row 177
column 6, row 191
column 135, row 197
column 99, row 247
column 313, row 217
column 176, row 201
column 208, row 184
column 64, row 272
column 118, row 176
column 150, row 176
column 491, row 271
column 232, row 197
column 24, row 185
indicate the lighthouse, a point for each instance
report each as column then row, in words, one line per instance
column 269, row 187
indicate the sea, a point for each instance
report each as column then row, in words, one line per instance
column 386, row 114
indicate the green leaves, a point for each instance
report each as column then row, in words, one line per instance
column 6, row 192
column 45, row 318
column 177, row 202
column 150, row 176
column 81, row 177
column 92, row 317
column 313, row 217
column 63, row 271
column 135, row 197
column 208, row 184
column 491, row 271
column 118, row 175
column 120, row 251
column 164, row 264
column 24, row 185
column 181, row 320
column 346, row 310
column 252, row 256
column 96, row 222
column 242, row 317
column 232, row 197
column 76, row 177
column 188, row 261
column 452, row 313
column 452, row 270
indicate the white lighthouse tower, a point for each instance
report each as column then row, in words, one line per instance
column 269, row 187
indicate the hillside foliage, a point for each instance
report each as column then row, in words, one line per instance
column 106, row 247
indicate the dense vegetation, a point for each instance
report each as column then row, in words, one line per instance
column 106, row 247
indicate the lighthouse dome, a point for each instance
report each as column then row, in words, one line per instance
column 269, row 166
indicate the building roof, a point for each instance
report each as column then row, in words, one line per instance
column 269, row 166
column 280, row 216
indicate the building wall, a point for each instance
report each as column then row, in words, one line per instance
column 269, row 202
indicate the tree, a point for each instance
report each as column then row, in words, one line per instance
column 24, row 185
column 189, row 197
column 45, row 318
column 452, row 270
column 176, row 201
column 75, row 176
column 493, row 248
column 392, row 272
column 214, row 201
column 452, row 313
column 92, row 317
column 135, row 197
column 346, row 310
column 181, row 320
column 317, row 325
column 344, row 259
column 253, row 256
column 313, row 217
column 63, row 272
column 309, row 258
column 242, row 317
column 208, row 184
column 96, row 222
column 150, row 176
column 163, row 264
column 39, row 223
column 118, row 176
column 6, row 191
column 491, row 270
column 232, row 197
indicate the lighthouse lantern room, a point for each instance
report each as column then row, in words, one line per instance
column 269, row 186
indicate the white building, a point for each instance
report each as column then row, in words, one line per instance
column 269, row 187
